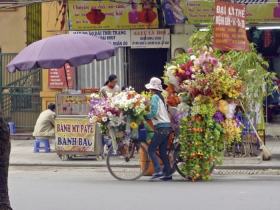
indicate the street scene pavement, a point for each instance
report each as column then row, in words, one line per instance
column 68, row 188
column 42, row 181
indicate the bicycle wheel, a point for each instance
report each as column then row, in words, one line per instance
column 177, row 159
column 130, row 162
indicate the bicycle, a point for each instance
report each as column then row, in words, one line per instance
column 132, row 161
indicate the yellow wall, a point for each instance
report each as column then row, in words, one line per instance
column 49, row 14
column 12, row 30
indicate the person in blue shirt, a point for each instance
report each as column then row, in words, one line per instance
column 159, row 115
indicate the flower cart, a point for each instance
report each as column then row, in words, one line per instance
column 75, row 136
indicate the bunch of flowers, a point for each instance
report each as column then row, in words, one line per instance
column 209, row 91
column 122, row 112
column 132, row 104
column 233, row 130
column 103, row 111
column 172, row 97
column 118, row 115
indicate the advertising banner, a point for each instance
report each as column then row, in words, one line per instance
column 119, row 38
column 57, row 77
column 230, row 27
column 195, row 11
column 104, row 15
column 152, row 38
column 74, row 135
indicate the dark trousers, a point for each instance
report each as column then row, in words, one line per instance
column 160, row 139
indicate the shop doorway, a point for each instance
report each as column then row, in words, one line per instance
column 145, row 64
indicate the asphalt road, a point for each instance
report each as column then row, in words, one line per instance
column 47, row 188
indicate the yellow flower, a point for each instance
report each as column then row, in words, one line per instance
column 180, row 70
column 133, row 125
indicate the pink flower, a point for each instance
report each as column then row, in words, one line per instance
column 228, row 59
column 190, row 50
column 214, row 62
column 211, row 50
column 196, row 63
column 201, row 59
column 198, row 52
column 181, row 163
column 183, row 67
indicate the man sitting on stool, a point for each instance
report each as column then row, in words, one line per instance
column 44, row 128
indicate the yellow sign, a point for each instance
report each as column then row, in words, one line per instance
column 98, row 15
column 194, row 11
column 74, row 135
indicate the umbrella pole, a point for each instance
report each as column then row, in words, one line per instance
column 65, row 72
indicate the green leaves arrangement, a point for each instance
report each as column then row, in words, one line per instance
column 250, row 67
column 201, row 143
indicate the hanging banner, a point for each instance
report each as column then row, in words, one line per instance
column 102, row 15
column 57, row 77
column 74, row 135
column 119, row 38
column 150, row 38
column 195, row 11
column 230, row 27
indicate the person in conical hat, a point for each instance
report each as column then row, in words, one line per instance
column 159, row 115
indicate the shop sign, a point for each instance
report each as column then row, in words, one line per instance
column 203, row 11
column 74, row 135
column 150, row 38
column 57, row 77
column 230, row 26
column 119, row 38
column 104, row 15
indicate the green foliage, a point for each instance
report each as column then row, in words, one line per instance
column 200, row 39
column 202, row 143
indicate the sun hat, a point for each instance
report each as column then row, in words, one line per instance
column 155, row 83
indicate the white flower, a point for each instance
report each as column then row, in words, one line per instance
column 109, row 94
column 94, row 95
column 171, row 67
column 192, row 69
column 193, row 57
column 104, row 119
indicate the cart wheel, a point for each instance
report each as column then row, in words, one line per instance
column 65, row 157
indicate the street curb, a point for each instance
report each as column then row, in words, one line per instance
column 58, row 164
column 239, row 167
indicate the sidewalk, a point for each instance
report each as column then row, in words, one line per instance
column 22, row 155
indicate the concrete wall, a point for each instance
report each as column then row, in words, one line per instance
column 12, row 30
column 180, row 36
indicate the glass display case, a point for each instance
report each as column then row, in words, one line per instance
column 72, row 105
